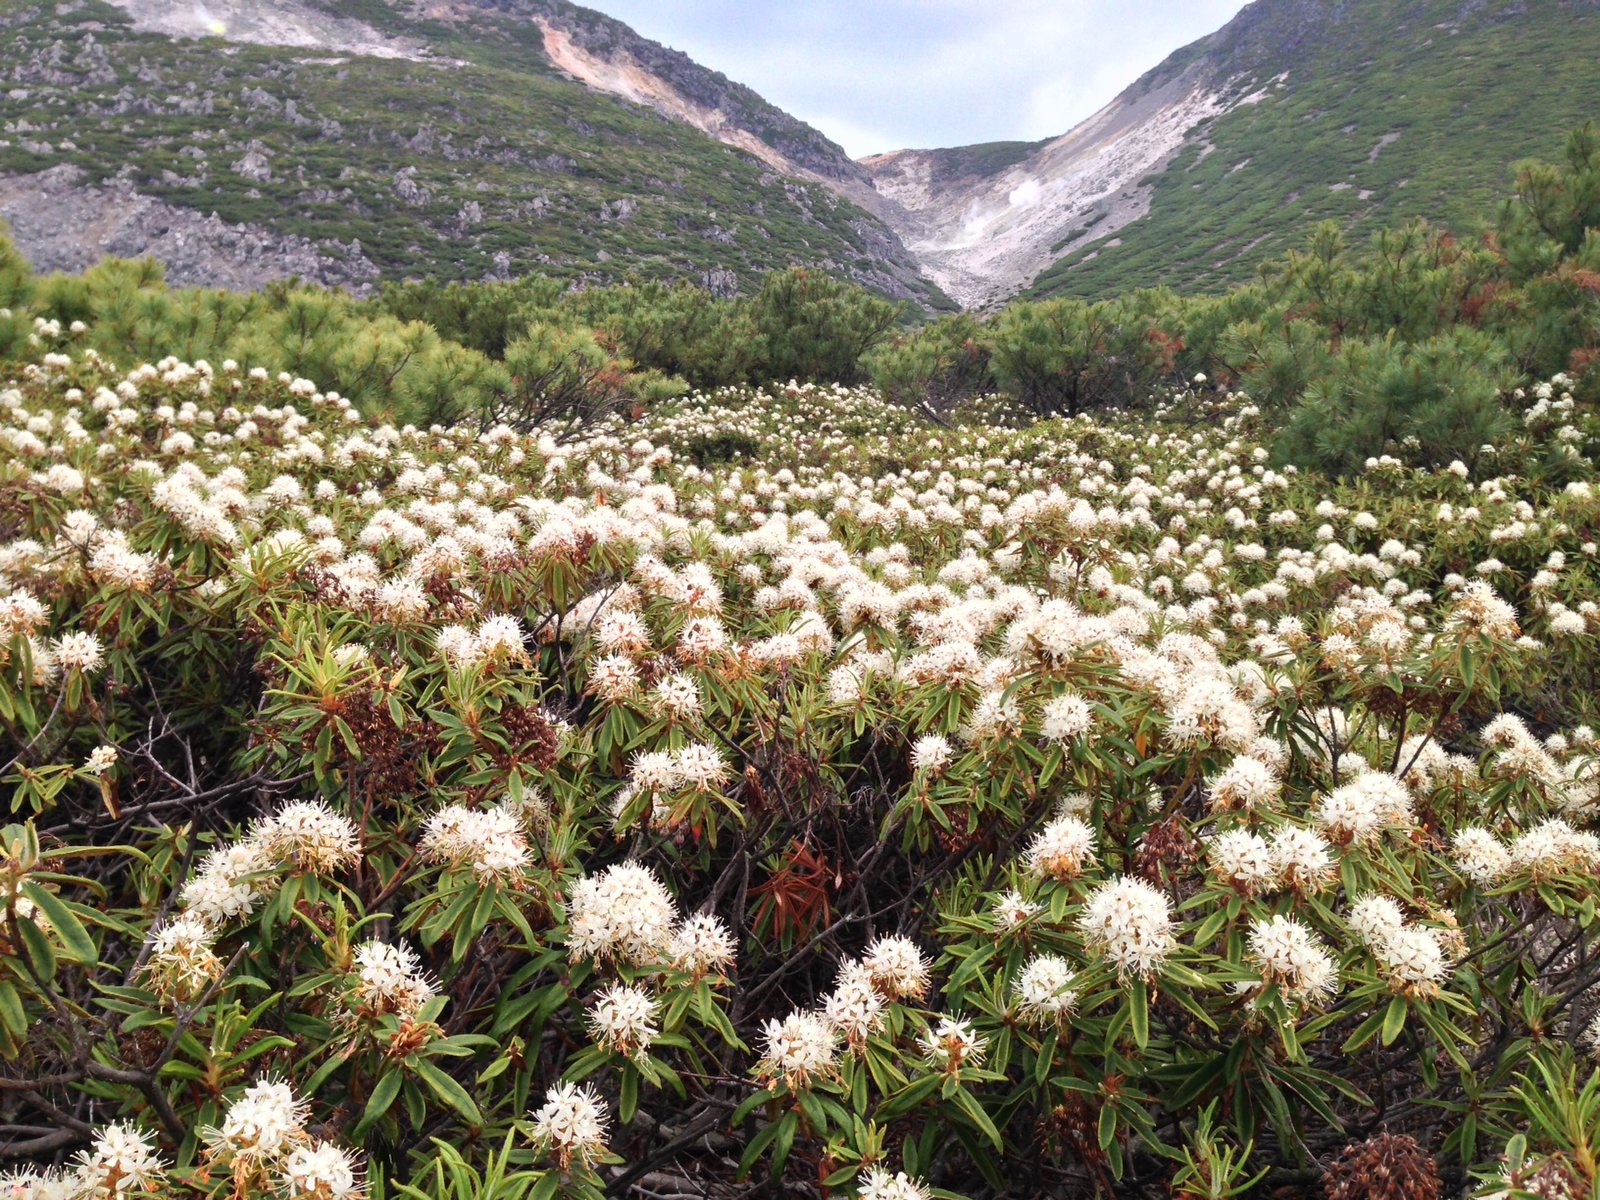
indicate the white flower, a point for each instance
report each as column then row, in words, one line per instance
column 953, row 1044
column 898, row 969
column 1361, row 810
column 931, row 753
column 614, row 678
column 321, row 1171
column 700, row 767
column 1375, row 919
column 1011, row 910
column 1129, row 922
column 488, row 840
column 1414, row 959
column 1303, row 859
column 120, row 1161
column 1242, row 860
column 875, row 1183
column 622, row 913
column 1247, row 784
column 622, row 1019
column 223, row 889
column 309, row 836
column 1480, row 855
column 500, row 639
column 1061, row 850
column 1066, row 716
column 182, row 963
column 101, row 759
column 1290, row 956
column 854, row 1007
column 676, row 695
column 264, row 1123
column 796, row 1049
column 78, row 651
column 702, row 944
column 389, row 979
column 1044, row 990
column 1554, row 847
column 571, row 1124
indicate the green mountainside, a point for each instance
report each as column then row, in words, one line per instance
column 1365, row 112
column 356, row 142
column 473, row 158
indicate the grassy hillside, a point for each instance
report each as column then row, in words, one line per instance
column 495, row 165
column 1388, row 111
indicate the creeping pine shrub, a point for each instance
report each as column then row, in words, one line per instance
column 895, row 810
column 1433, row 403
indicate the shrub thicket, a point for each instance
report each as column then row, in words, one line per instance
column 782, row 795
column 1327, row 329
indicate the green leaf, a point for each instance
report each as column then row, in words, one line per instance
column 968, row 1103
column 628, row 1104
column 44, row 958
column 1107, row 1127
column 1394, row 1020
column 11, row 1010
column 1139, row 1012
column 388, row 1087
column 448, row 1090
column 74, row 937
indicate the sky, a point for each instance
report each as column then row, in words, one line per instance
column 878, row 75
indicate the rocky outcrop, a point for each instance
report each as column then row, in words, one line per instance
column 985, row 221
column 258, row 158
column 983, row 236
column 62, row 222
column 280, row 23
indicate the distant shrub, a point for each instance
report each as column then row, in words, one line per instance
column 1069, row 356
column 935, row 367
column 816, row 328
column 1427, row 404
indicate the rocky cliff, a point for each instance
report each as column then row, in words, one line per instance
column 1366, row 112
column 356, row 141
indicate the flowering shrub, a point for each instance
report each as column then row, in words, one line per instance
column 1081, row 808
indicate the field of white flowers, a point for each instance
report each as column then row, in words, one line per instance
column 782, row 795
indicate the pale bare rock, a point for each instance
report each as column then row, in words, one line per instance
column 279, row 23
column 984, row 239
column 1372, row 155
column 620, row 74
column 61, row 222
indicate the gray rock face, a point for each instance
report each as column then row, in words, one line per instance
column 256, row 163
column 61, row 222
column 409, row 190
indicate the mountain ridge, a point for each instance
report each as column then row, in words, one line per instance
column 1298, row 106
column 431, row 139
column 356, row 142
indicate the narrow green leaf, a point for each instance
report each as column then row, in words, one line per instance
column 448, row 1090
column 74, row 937
column 1394, row 1020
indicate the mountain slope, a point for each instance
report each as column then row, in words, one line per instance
column 1362, row 111
column 353, row 141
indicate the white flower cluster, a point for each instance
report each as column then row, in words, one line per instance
column 121, row 1161
column 623, row 913
column 304, row 836
column 387, row 978
column 1130, row 923
column 1412, row 957
column 490, row 842
column 1294, row 960
column 571, row 1125
column 263, row 1137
